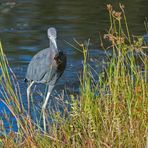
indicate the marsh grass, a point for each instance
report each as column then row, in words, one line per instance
column 116, row 117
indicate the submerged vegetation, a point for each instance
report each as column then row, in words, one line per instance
column 111, row 111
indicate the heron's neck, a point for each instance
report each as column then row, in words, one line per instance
column 53, row 43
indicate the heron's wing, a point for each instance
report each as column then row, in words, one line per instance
column 41, row 64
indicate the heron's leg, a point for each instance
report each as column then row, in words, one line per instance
column 50, row 87
column 28, row 96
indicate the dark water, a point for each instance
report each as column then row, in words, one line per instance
column 23, row 25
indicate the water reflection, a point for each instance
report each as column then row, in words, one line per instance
column 23, row 26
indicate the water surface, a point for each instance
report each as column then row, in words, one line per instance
column 23, row 26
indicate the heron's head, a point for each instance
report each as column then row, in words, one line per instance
column 52, row 33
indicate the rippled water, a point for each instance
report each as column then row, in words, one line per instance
column 23, row 26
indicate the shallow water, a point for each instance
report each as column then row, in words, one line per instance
column 23, row 26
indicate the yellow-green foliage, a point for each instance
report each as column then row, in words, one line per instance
column 118, row 116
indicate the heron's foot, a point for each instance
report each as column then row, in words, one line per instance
column 29, row 120
column 28, row 115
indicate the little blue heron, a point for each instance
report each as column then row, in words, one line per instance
column 46, row 67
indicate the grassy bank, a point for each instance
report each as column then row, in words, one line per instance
column 111, row 111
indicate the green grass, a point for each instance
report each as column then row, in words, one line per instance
column 112, row 112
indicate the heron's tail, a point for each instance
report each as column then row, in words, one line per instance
column 25, row 80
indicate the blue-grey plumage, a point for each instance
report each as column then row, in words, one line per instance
column 46, row 66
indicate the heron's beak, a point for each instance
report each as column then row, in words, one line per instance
column 54, row 42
